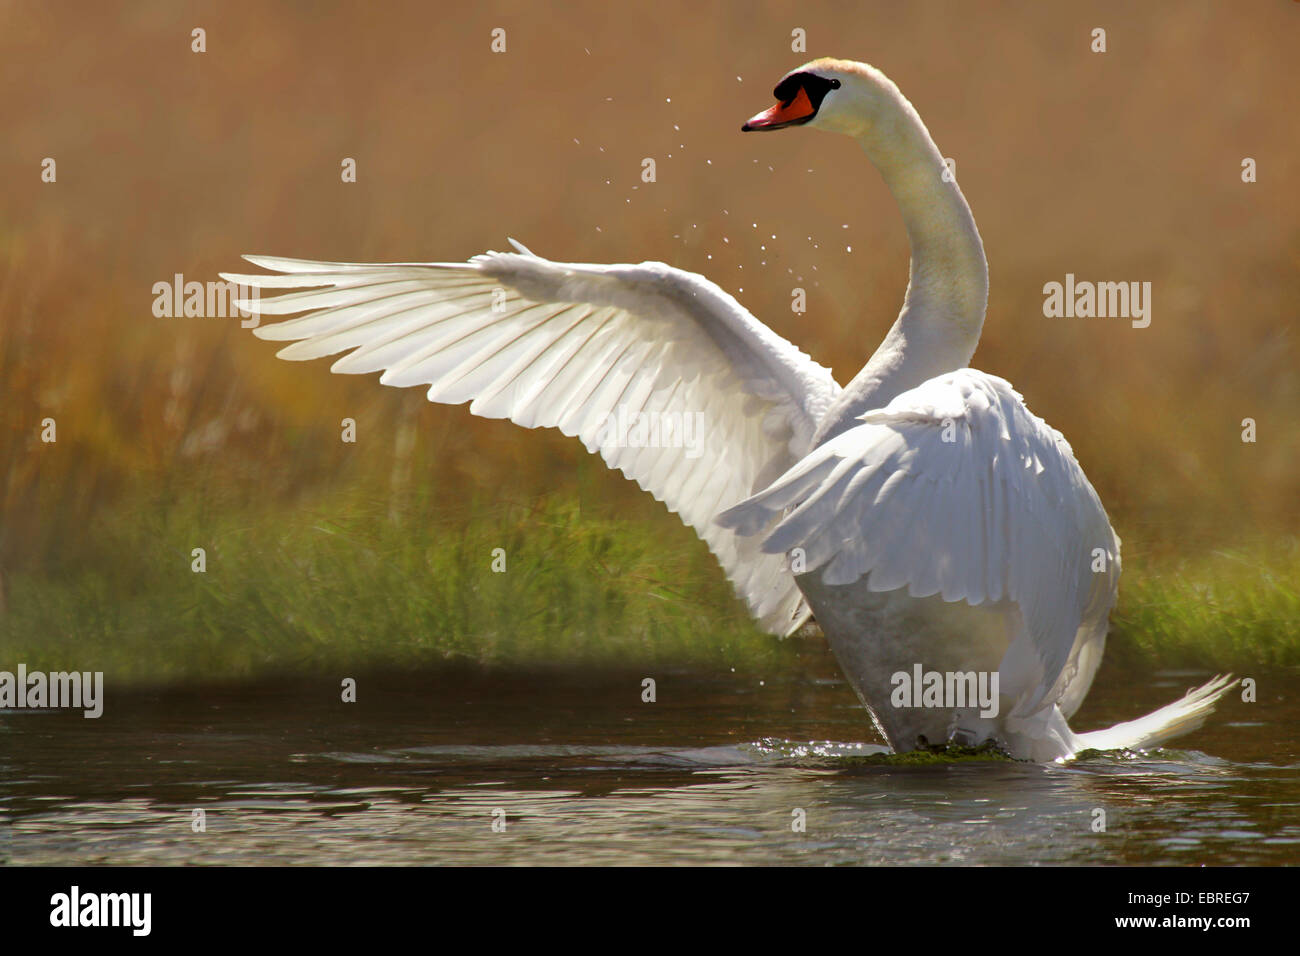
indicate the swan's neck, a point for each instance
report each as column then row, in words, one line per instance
column 943, row 311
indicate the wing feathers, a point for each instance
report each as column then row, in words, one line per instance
column 662, row 373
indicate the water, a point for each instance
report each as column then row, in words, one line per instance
column 585, row 772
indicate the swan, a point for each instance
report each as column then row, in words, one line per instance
column 943, row 537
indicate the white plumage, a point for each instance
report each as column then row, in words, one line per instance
column 564, row 345
column 955, row 489
column 925, row 515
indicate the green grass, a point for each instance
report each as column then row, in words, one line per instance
column 1218, row 610
column 950, row 754
column 345, row 581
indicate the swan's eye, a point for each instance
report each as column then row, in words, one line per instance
column 835, row 84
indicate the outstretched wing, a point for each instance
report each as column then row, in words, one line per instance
column 956, row 489
column 659, row 370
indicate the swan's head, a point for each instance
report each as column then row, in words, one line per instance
column 842, row 96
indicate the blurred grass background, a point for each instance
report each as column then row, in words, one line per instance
column 175, row 433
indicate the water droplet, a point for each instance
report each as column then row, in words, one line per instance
column 848, row 248
column 668, row 99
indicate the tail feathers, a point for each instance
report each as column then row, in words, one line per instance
column 1173, row 720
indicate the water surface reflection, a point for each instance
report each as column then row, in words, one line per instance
column 585, row 772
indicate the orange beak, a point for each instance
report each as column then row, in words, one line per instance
column 798, row 110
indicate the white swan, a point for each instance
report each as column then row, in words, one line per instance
column 930, row 521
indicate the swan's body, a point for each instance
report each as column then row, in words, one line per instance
column 923, row 513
